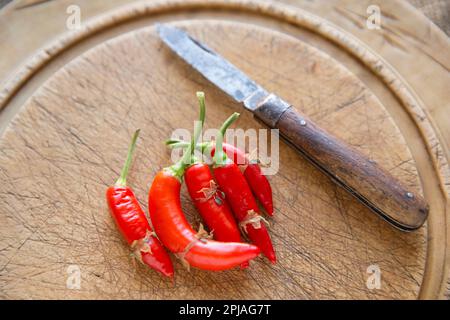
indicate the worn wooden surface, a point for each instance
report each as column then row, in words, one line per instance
column 324, row 239
column 59, row 154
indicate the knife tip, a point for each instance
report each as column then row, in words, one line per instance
column 164, row 28
column 167, row 32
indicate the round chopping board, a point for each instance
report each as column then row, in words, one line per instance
column 68, row 135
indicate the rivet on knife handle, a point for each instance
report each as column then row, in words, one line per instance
column 363, row 178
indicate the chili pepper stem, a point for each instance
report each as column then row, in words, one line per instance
column 220, row 156
column 177, row 143
column 122, row 181
column 178, row 168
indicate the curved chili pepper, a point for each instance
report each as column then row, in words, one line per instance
column 240, row 197
column 174, row 230
column 178, row 236
column 258, row 182
column 133, row 224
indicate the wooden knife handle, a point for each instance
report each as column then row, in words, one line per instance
column 362, row 177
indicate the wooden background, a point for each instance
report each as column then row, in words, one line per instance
column 78, row 111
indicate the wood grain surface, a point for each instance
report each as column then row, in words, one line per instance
column 68, row 141
column 68, row 144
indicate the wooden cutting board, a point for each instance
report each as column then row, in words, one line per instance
column 66, row 132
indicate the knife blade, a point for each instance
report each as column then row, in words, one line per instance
column 363, row 178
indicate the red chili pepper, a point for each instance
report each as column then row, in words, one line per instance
column 240, row 197
column 178, row 236
column 211, row 204
column 133, row 224
column 252, row 171
column 174, row 230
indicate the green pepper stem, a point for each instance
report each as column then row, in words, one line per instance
column 220, row 156
column 201, row 120
column 177, row 143
column 179, row 167
column 122, row 181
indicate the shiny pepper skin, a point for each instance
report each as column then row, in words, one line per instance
column 133, row 225
column 177, row 235
column 211, row 204
column 240, row 197
column 258, row 182
column 213, row 208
